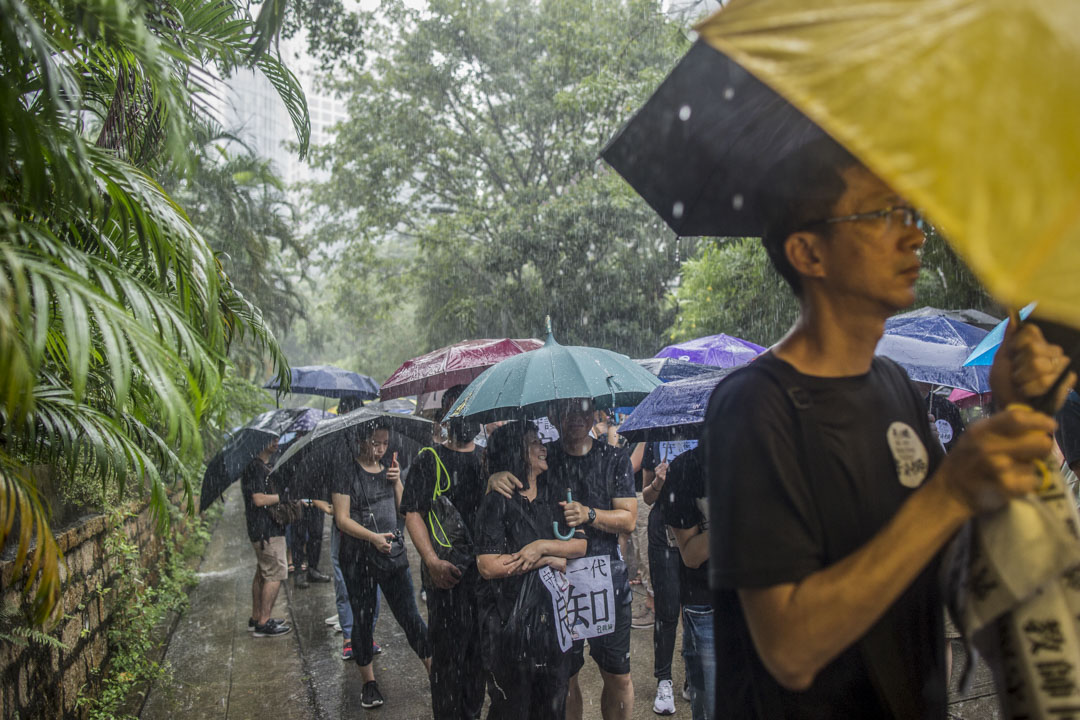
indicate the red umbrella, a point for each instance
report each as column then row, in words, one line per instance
column 452, row 365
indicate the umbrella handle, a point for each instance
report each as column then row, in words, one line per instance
column 555, row 523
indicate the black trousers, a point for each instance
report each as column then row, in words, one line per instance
column 307, row 538
column 457, row 673
column 664, row 573
column 362, row 579
column 524, row 692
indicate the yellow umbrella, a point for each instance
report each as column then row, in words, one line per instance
column 969, row 108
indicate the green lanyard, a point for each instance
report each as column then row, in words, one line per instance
column 440, row 474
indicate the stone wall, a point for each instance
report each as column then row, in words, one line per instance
column 44, row 682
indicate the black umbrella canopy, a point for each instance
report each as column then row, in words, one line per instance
column 699, row 148
column 308, row 462
column 226, row 467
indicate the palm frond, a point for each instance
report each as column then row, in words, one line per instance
column 37, row 556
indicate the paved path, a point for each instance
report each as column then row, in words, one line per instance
column 220, row 671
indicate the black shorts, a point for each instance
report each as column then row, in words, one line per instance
column 612, row 651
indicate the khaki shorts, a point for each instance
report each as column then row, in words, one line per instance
column 270, row 554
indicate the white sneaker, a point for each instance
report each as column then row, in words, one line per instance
column 332, row 620
column 686, row 690
column 337, row 627
column 664, row 704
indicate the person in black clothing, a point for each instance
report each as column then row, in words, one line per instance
column 456, row 469
column 601, row 480
column 268, row 540
column 664, row 571
column 685, row 508
column 830, row 500
column 372, row 555
column 515, row 536
column 945, row 415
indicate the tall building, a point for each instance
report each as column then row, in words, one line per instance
column 251, row 109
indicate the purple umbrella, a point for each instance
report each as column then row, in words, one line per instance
column 720, row 350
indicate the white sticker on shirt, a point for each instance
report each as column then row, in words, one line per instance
column 944, row 431
column 909, row 453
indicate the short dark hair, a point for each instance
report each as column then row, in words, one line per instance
column 798, row 190
column 507, row 451
column 460, row 430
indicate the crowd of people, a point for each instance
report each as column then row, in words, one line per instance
column 799, row 543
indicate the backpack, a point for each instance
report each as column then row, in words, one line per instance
column 449, row 535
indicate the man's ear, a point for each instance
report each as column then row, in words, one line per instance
column 804, row 252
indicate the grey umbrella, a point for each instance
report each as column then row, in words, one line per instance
column 242, row 447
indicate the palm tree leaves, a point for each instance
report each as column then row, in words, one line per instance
column 116, row 317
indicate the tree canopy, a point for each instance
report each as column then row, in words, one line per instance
column 473, row 136
column 116, row 317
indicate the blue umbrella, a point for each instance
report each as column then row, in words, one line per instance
column 329, row 381
column 984, row 352
column 674, row 409
column 932, row 350
column 720, row 350
column 669, row 368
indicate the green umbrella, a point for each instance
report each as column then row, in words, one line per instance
column 526, row 383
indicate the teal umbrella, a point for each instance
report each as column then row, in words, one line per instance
column 523, row 385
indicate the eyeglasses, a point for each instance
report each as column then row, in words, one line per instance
column 907, row 216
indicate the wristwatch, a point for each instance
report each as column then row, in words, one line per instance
column 592, row 516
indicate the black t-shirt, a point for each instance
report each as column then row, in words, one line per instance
column 467, row 482
column 371, row 497
column 655, row 529
column 949, row 420
column 260, row 524
column 596, row 478
column 772, row 523
column 1068, row 432
column 684, row 504
column 505, row 525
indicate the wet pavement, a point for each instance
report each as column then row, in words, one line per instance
column 220, row 671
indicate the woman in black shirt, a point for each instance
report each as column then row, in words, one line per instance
column 366, row 498
column 516, row 536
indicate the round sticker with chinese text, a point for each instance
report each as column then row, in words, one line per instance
column 909, row 454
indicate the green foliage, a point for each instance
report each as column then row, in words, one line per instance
column 473, row 135
column 234, row 404
column 115, row 315
column 239, row 206
column 134, row 634
column 18, row 629
column 946, row 282
column 732, row 288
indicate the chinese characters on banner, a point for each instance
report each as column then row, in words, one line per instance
column 583, row 599
column 672, row 449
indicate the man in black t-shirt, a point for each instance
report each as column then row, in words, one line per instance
column 456, row 469
column 601, row 480
column 268, row 540
column 829, row 503
column 685, row 507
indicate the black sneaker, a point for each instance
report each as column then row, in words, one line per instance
column 314, row 575
column 370, row 696
column 300, row 579
column 252, row 623
column 272, row 628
